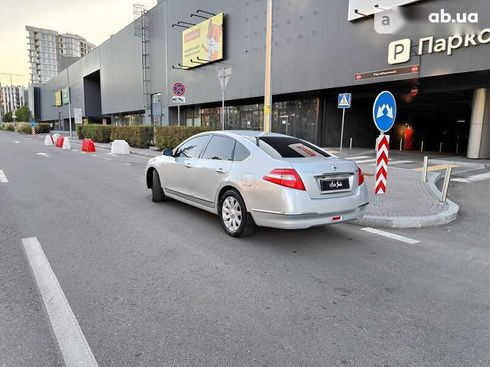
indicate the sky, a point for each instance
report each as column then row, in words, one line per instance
column 95, row 20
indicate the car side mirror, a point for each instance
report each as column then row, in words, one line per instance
column 169, row 152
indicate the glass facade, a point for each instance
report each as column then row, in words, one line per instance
column 125, row 120
column 298, row 118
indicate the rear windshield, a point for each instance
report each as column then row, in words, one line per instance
column 288, row 147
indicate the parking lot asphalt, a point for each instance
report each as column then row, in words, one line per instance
column 162, row 285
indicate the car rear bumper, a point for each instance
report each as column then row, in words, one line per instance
column 305, row 220
column 294, row 209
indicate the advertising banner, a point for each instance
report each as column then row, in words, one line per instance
column 65, row 93
column 57, row 99
column 203, row 43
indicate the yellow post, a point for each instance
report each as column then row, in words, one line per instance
column 268, row 67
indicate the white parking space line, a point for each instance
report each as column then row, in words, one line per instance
column 366, row 160
column 3, row 178
column 43, row 154
column 17, row 142
column 463, row 180
column 391, row 235
column 358, row 157
column 480, row 177
column 72, row 343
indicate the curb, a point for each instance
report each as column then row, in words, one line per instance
column 450, row 214
column 139, row 154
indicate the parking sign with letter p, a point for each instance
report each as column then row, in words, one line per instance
column 399, row 51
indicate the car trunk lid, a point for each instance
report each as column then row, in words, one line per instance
column 326, row 177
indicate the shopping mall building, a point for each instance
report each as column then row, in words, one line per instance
column 433, row 55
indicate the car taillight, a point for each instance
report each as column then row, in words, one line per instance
column 287, row 177
column 360, row 176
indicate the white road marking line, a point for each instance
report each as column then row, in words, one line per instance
column 479, row 177
column 17, row 142
column 358, row 157
column 3, row 178
column 366, row 161
column 391, row 235
column 399, row 162
column 463, row 180
column 394, row 163
column 71, row 341
column 43, row 154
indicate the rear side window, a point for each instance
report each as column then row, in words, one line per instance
column 219, row 148
column 193, row 147
column 241, row 153
column 288, row 147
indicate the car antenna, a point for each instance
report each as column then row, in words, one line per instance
column 257, row 138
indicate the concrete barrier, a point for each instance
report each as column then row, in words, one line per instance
column 88, row 146
column 120, row 147
column 48, row 140
column 55, row 138
column 59, row 141
column 66, row 144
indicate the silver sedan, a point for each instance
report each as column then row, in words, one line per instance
column 253, row 178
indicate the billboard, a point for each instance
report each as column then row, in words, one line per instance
column 65, row 94
column 57, row 99
column 203, row 43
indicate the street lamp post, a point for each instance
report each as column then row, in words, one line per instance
column 69, row 96
column 268, row 69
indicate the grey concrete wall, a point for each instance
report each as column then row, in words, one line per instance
column 315, row 47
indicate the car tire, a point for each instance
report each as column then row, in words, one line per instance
column 233, row 214
column 157, row 193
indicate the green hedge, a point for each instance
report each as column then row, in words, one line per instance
column 137, row 136
column 171, row 136
column 43, row 128
column 9, row 126
column 140, row 136
column 23, row 128
column 98, row 133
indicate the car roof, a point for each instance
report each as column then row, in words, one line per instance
column 246, row 133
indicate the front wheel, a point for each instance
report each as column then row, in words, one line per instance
column 235, row 219
column 157, row 194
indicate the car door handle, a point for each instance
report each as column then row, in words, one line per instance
column 220, row 170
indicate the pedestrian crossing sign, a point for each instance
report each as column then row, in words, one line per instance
column 345, row 100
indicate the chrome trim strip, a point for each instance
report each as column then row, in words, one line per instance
column 209, row 204
column 310, row 214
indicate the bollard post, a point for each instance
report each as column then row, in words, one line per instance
column 426, row 168
column 440, row 147
column 445, row 186
column 401, row 144
column 457, row 148
column 422, row 147
column 350, row 143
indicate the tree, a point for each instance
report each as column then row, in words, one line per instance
column 7, row 117
column 23, row 114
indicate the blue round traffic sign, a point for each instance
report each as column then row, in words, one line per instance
column 178, row 89
column 384, row 111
